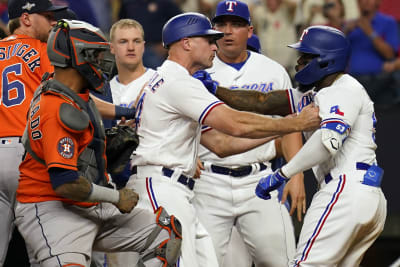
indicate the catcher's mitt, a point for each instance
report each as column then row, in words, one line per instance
column 122, row 140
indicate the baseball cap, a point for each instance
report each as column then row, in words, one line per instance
column 65, row 14
column 17, row 7
column 253, row 44
column 232, row 8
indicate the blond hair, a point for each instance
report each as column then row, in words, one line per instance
column 13, row 24
column 125, row 23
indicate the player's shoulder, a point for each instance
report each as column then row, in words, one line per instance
column 263, row 61
column 25, row 39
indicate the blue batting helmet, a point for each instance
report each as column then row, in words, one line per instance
column 188, row 24
column 253, row 44
column 232, row 8
column 331, row 47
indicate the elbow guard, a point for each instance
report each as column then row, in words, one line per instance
column 333, row 135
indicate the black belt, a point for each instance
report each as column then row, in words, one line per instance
column 236, row 172
column 189, row 182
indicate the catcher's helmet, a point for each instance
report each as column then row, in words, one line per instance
column 79, row 45
column 188, row 24
column 331, row 47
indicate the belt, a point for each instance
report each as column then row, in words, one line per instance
column 189, row 182
column 373, row 177
column 236, row 172
column 9, row 140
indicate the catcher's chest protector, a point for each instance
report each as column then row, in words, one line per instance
column 91, row 162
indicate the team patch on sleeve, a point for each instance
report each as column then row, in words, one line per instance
column 66, row 147
column 336, row 110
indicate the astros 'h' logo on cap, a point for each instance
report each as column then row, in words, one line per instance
column 230, row 5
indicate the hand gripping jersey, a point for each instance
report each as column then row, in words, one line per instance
column 224, row 194
column 64, row 130
column 23, row 61
column 258, row 73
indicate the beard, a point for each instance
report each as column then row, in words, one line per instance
column 304, row 88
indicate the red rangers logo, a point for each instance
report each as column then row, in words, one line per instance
column 66, row 147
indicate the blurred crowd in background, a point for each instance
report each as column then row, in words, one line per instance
column 372, row 26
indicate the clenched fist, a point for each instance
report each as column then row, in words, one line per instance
column 127, row 200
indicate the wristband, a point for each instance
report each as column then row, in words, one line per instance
column 128, row 113
column 103, row 194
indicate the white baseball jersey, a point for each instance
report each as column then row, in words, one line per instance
column 174, row 107
column 125, row 95
column 346, row 215
column 170, row 112
column 222, row 200
column 261, row 74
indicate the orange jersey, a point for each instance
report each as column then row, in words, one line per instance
column 23, row 61
column 55, row 143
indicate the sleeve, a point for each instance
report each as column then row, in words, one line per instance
column 337, row 105
column 193, row 99
column 60, row 147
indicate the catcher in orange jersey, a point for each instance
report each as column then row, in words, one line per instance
column 64, row 209
column 23, row 62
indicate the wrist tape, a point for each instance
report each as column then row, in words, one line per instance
column 103, row 194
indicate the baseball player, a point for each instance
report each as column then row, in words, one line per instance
column 170, row 112
column 23, row 61
column 127, row 45
column 224, row 196
column 64, row 209
column 348, row 212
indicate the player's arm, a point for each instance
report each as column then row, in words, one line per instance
column 68, row 184
column 251, row 125
column 272, row 103
column 290, row 145
column 323, row 144
column 111, row 111
column 224, row 145
column 276, row 102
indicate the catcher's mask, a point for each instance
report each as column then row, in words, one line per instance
column 77, row 44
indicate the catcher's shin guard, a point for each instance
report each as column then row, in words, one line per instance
column 169, row 250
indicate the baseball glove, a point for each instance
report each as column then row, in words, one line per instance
column 121, row 141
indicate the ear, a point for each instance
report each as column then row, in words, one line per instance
column 112, row 51
column 186, row 44
column 250, row 32
column 25, row 19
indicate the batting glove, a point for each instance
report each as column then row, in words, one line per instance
column 269, row 184
column 205, row 78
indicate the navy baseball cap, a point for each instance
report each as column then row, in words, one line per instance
column 17, row 7
column 253, row 44
column 232, row 8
